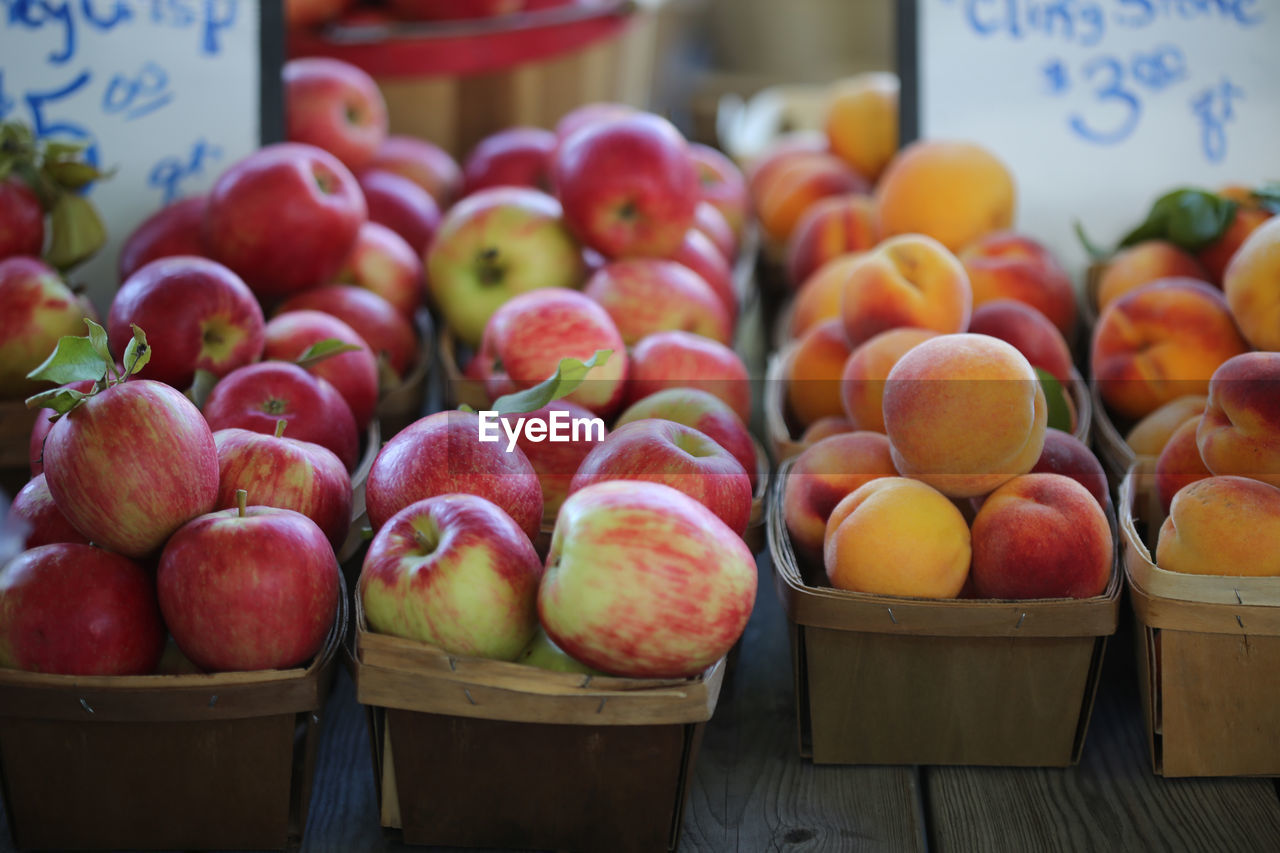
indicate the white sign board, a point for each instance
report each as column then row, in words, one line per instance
column 1098, row 106
column 165, row 93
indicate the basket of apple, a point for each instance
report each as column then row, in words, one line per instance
column 163, row 662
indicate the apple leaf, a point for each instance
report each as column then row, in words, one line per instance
column 74, row 360
column 569, row 374
column 1059, row 411
column 61, row 400
column 77, row 231
column 98, row 340
column 137, row 353
column 321, row 350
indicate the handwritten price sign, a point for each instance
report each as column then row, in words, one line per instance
column 164, row 94
column 1099, row 106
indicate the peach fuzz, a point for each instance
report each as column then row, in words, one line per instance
column 897, row 536
column 1250, row 285
column 1008, row 265
column 819, row 296
column 820, row 478
column 1065, row 454
column 1041, row 536
column 964, row 413
column 911, row 280
column 813, row 373
column 1240, row 431
column 1160, row 342
column 1143, row 263
column 1202, row 535
column 1149, row 435
column 1030, row 332
column 865, row 372
column 1179, row 463
column 831, row 227
column 953, row 191
column 825, row 428
column 795, row 185
column 861, row 121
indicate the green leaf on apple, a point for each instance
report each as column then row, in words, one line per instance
column 61, row 400
column 74, row 360
column 77, row 231
column 137, row 353
column 98, row 340
column 321, row 350
column 1059, row 411
column 570, row 373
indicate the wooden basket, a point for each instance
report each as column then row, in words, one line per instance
column 481, row 753
column 403, row 404
column 1208, row 649
column 220, row 761
column 16, row 423
column 892, row 680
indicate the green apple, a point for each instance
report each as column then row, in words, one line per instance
column 543, row 653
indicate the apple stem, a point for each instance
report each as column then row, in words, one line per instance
column 281, row 423
column 242, row 502
column 426, row 541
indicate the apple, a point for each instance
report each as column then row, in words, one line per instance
column 526, row 337
column 336, row 106
column 493, row 245
column 643, row 581
column 442, row 453
column 514, row 157
column 425, row 163
column 201, row 317
column 454, row 571
column 555, row 462
column 285, row 218
column 175, row 229
column 722, row 185
column 649, row 295
column 679, row 359
column 256, row 396
column 543, row 653
column 36, row 309
column 699, row 254
column 704, row 412
column 353, row 373
column 455, row 10
column 708, row 219
column 403, row 206
column 628, row 186
column 254, row 587
column 594, row 112
column 43, row 423
column 45, row 522
column 71, row 609
column 287, row 473
column 131, row 464
column 661, row 451
column 384, row 263
column 300, row 14
column 384, row 329
column 21, row 219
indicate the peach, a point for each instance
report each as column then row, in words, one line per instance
column 1160, row 342
column 1065, row 454
column 782, row 150
column 831, row 227
column 1149, row 435
column 1179, row 463
column 1142, row 263
column 1030, row 332
column 911, row 280
column 1250, row 285
column 819, row 296
column 1216, row 256
column 897, row 536
column 953, row 191
column 1240, row 431
column 795, row 185
column 825, row 428
column 964, row 413
column 1202, row 535
column 820, row 478
column 1008, row 265
column 813, row 373
column 865, row 371
column 1041, row 536
column 861, row 121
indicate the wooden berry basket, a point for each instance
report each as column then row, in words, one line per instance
column 893, row 680
column 1114, row 452
column 1208, row 650
column 480, row 753
column 404, row 404
column 16, row 422
column 222, row 761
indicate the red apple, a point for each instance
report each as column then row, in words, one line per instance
column 249, row 588
column 387, row 265
column 385, row 330
column 555, row 462
column 514, row 157
column 47, row 525
column 176, row 229
column 628, row 186
column 131, row 464
column 287, row 473
column 354, row 373
column 201, row 316
column 285, row 218
column 336, row 106
column 595, row 112
column 703, row 411
column 710, row 221
column 680, row 359
column 661, row 451
column 442, row 453
column 309, row 13
column 21, row 219
column 403, row 206
column 649, row 295
column 454, row 571
column 256, row 396
column 36, row 309
column 643, row 581
column 722, row 184
column 42, row 425
column 426, row 164
column 71, row 609
column 699, row 254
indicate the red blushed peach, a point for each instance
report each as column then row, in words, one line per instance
column 1202, row 535
column 1143, row 263
column 1041, row 536
column 825, row 428
column 964, row 413
column 867, row 368
column 1149, row 435
column 796, row 185
column 1030, row 332
column 1240, row 431
column 1008, row 265
column 781, row 151
column 911, row 280
column 1160, row 342
column 820, row 478
column 828, row 229
column 1250, row 285
column 819, row 296
column 813, row 373
column 1179, row 463
column 1065, row 454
